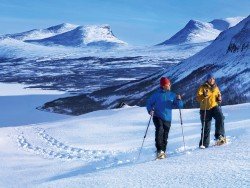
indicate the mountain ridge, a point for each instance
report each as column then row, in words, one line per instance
column 41, row 33
column 196, row 31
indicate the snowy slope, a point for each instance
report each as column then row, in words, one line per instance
column 196, row 31
column 100, row 149
column 12, row 48
column 41, row 33
column 227, row 57
column 82, row 36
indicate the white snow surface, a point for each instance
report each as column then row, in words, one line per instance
column 100, row 149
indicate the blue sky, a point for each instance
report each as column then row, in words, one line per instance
column 138, row 22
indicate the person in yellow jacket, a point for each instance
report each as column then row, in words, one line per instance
column 209, row 97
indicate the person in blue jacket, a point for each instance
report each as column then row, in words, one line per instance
column 160, row 106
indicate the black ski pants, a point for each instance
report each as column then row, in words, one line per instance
column 161, row 133
column 217, row 114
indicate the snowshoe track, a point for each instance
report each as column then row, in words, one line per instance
column 37, row 141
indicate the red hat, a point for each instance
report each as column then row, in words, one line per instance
column 164, row 81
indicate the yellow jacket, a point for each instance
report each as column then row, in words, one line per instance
column 210, row 101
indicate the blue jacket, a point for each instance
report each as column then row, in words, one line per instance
column 162, row 102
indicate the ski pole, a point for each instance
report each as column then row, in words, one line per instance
column 182, row 130
column 204, row 121
column 144, row 137
column 223, row 123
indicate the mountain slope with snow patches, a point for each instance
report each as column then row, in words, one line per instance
column 196, row 31
column 227, row 57
column 36, row 34
column 83, row 36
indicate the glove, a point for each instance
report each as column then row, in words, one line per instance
column 151, row 112
column 178, row 97
column 219, row 99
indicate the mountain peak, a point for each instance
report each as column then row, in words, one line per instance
column 223, row 24
column 82, row 36
column 37, row 34
column 193, row 32
column 194, row 23
column 63, row 26
column 67, row 34
column 196, row 31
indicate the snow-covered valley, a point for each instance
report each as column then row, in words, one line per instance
column 77, row 70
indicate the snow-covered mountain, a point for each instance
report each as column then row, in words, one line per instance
column 227, row 57
column 83, row 36
column 36, row 34
column 69, row 35
column 196, row 31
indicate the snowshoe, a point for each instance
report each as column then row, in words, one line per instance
column 220, row 141
column 202, row 147
column 161, row 155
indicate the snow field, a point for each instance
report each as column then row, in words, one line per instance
column 100, row 149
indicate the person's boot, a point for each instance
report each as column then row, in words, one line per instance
column 221, row 140
column 161, row 155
